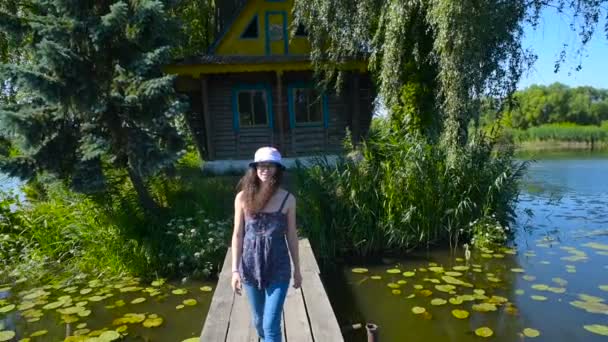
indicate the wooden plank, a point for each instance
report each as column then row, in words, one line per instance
column 241, row 327
column 296, row 326
column 307, row 257
column 323, row 322
column 216, row 324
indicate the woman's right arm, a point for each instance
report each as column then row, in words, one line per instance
column 237, row 243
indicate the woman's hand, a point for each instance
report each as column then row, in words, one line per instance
column 297, row 279
column 236, row 283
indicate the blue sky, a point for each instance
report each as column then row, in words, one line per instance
column 547, row 40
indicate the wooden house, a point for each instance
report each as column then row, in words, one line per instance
column 255, row 87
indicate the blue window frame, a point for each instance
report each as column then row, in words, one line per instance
column 270, row 36
column 306, row 107
column 252, row 106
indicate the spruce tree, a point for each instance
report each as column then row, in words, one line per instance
column 92, row 95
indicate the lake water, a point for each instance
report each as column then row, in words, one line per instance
column 554, row 280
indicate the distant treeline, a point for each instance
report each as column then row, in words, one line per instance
column 556, row 103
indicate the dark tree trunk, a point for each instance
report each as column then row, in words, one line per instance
column 145, row 199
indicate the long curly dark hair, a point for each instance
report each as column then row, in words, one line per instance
column 256, row 193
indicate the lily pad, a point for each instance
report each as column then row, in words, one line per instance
column 460, row 268
column 359, row 270
column 494, row 279
column 193, row 339
column 376, row 277
column 130, row 318
column 209, row 288
column 603, row 287
column 539, row 298
column 592, row 307
column 6, row 335
column 153, row 322
column 540, row 287
column 560, row 281
column 529, row 332
column 179, row 291
column 460, row 314
column 418, row 310
column 451, row 280
column 588, row 298
column 110, row 335
column 455, row 300
column 396, row 292
column 393, row 285
column 393, row 271
column 445, row 288
column 528, row 277
column 39, row 333
column 158, row 282
column 484, row 307
column 438, row 301
column 594, row 328
column 190, row 302
column 517, row 270
column 484, row 332
column 596, row 245
column 426, row 292
column 7, row 308
column 409, row 274
column 557, row 290
column 138, row 300
column 180, row 306
column 84, row 313
column 453, row 274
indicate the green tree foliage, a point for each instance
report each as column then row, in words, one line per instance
column 475, row 51
column 556, row 103
column 92, row 96
column 198, row 20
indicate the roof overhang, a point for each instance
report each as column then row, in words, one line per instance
column 211, row 64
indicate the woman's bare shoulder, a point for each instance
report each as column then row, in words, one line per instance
column 239, row 197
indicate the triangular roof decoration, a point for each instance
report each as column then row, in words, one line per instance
column 237, row 13
column 252, row 30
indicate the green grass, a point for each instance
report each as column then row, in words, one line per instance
column 59, row 231
column 564, row 132
column 399, row 192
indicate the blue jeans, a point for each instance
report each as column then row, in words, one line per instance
column 267, row 308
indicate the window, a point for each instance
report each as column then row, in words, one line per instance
column 252, row 108
column 251, row 32
column 301, row 31
column 307, row 105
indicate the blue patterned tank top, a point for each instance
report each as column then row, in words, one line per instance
column 265, row 257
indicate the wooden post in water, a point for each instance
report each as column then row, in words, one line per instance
column 372, row 332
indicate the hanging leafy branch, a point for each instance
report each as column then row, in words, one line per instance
column 476, row 48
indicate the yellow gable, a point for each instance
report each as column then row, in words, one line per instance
column 262, row 28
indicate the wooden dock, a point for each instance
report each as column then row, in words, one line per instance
column 307, row 314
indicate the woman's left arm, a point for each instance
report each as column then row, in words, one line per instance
column 292, row 240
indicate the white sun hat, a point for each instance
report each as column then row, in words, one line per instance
column 267, row 154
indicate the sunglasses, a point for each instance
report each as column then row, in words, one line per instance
column 265, row 166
